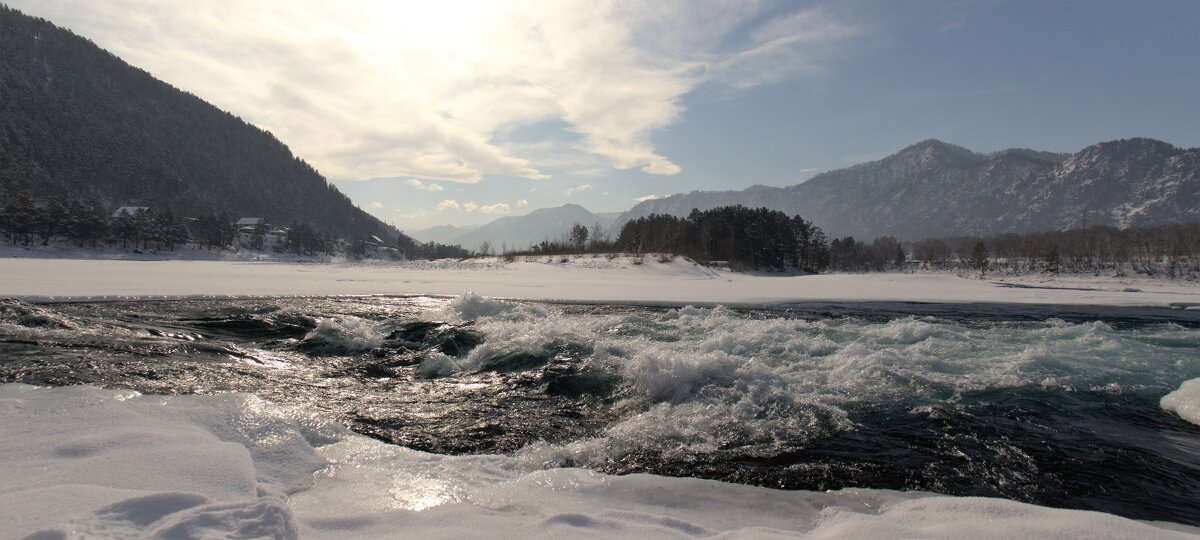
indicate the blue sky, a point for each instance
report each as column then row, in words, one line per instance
column 462, row 112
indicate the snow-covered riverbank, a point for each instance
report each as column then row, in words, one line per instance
column 580, row 278
column 87, row 462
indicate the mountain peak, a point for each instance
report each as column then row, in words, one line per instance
column 935, row 189
column 1136, row 144
column 566, row 208
column 938, row 151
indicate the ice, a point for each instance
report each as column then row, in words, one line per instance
column 582, row 279
column 1185, row 401
column 89, row 462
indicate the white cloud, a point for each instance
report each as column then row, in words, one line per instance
column 498, row 208
column 470, row 207
column 422, row 186
column 376, row 205
column 645, row 198
column 448, row 204
column 378, row 88
column 581, row 187
column 522, row 202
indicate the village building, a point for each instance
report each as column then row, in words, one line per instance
column 129, row 211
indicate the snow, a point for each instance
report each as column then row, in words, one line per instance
column 582, row 278
column 88, row 462
column 1185, row 401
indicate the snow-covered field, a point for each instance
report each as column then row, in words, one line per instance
column 87, row 462
column 580, row 278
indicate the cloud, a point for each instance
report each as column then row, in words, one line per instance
column 522, row 202
column 645, row 198
column 378, row 88
column 472, row 206
column 581, row 187
column 376, row 205
column 808, row 170
column 422, row 186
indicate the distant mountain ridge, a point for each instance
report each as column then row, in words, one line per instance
column 76, row 121
column 933, row 189
column 516, row 232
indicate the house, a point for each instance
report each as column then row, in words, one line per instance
column 247, row 227
column 129, row 211
column 250, row 222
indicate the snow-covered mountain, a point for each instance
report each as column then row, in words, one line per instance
column 516, row 232
column 936, row 189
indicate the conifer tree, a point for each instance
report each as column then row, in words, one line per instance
column 979, row 258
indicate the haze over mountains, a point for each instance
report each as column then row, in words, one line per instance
column 516, row 232
column 78, row 122
column 934, row 189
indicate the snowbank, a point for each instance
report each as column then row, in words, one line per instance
column 82, row 461
column 583, row 279
column 1185, row 401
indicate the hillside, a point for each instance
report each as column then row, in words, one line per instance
column 935, row 189
column 78, row 122
column 442, row 234
column 516, row 232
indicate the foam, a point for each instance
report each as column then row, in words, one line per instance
column 471, row 306
column 345, row 335
column 1184, row 401
column 694, row 378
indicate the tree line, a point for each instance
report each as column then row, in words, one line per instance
column 741, row 237
column 89, row 222
column 1171, row 250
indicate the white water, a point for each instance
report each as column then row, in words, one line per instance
column 695, row 378
column 82, row 461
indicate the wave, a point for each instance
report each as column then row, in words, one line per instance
column 341, row 336
column 695, row 380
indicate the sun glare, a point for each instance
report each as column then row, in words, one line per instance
column 452, row 27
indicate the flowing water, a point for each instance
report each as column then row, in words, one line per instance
column 1048, row 405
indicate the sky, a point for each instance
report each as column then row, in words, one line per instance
column 460, row 112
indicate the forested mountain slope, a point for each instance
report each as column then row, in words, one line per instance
column 78, row 122
column 933, row 189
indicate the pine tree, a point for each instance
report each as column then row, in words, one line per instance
column 1053, row 259
column 979, row 258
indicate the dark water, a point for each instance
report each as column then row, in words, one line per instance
column 1054, row 406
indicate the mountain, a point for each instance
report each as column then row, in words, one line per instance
column 519, row 232
column 441, row 234
column 76, row 121
column 933, row 189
